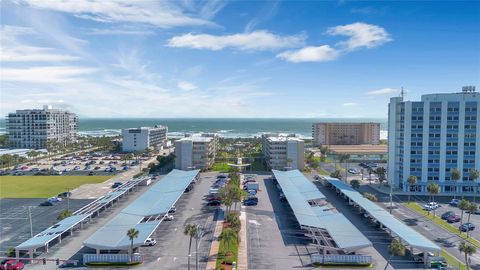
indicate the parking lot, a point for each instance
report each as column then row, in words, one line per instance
column 14, row 218
column 171, row 250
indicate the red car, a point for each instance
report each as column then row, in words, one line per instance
column 453, row 219
column 12, row 265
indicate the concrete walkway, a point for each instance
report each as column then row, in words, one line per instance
column 212, row 256
column 242, row 263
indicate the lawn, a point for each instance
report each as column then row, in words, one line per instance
column 220, row 167
column 223, row 249
column 43, row 186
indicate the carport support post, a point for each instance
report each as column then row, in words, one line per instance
column 46, row 248
column 425, row 258
column 30, row 253
column 60, row 238
column 17, row 253
column 97, row 251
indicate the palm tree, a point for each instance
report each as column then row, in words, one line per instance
column 396, row 248
column 463, row 205
column 412, row 180
column 227, row 236
column 473, row 175
column 455, row 176
column 468, row 250
column 132, row 234
column 472, row 208
column 381, row 174
column 190, row 230
column 433, row 189
column 355, row 184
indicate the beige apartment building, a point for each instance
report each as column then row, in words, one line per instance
column 345, row 133
column 196, row 151
column 283, row 151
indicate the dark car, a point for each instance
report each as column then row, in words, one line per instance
column 214, row 203
column 65, row 194
column 453, row 218
column 447, row 214
column 46, row 203
column 454, row 202
column 249, row 202
column 117, row 184
column 467, row 227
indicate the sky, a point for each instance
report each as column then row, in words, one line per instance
column 162, row 59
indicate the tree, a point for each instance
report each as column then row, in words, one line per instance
column 345, row 158
column 455, row 176
column 412, row 181
column 472, row 208
column 370, row 196
column 190, row 230
column 324, row 151
column 227, row 195
column 132, row 234
column 355, row 184
column 234, row 221
column 433, row 189
column 468, row 250
column 396, row 248
column 336, row 174
column 381, row 172
column 64, row 214
column 473, row 175
column 463, row 205
column 227, row 236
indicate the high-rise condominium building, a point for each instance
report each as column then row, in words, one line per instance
column 139, row 139
column 345, row 133
column 283, row 151
column 429, row 138
column 196, row 151
column 40, row 129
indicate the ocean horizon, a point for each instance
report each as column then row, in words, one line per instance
column 226, row 127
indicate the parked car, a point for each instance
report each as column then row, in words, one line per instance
column 214, row 203
column 447, row 214
column 168, row 217
column 65, row 194
column 76, row 168
column 46, row 203
column 18, row 173
column 172, row 210
column 150, row 242
column 12, row 265
column 117, row 184
column 431, row 206
column 125, row 168
column 54, row 199
column 97, row 168
column 282, row 197
column 453, row 219
column 353, row 171
column 91, row 173
column 420, row 256
column 249, row 202
column 454, row 202
column 467, row 227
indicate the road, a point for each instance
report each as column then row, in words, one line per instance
column 171, row 251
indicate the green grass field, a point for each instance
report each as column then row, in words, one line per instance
column 43, row 186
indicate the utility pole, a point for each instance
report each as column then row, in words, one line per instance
column 196, row 247
column 30, row 219
column 68, row 199
column 391, row 199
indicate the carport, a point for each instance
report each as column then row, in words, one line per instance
column 144, row 214
column 386, row 221
column 329, row 229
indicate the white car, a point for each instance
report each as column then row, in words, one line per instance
column 353, row 171
column 150, row 242
column 54, row 199
column 431, row 206
column 168, row 217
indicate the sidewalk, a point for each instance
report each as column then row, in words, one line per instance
column 212, row 256
column 242, row 263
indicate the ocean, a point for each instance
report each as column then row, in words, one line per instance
column 226, row 127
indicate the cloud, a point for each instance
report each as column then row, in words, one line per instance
column 187, row 86
column 116, row 31
column 361, row 35
column 322, row 53
column 349, row 104
column 164, row 14
column 383, row 91
column 257, row 40
column 48, row 74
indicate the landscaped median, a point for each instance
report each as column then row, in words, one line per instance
column 452, row 261
column 417, row 208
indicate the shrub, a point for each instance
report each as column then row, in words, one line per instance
column 10, row 252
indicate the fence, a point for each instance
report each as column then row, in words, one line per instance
column 111, row 258
column 341, row 259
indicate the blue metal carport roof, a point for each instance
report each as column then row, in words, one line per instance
column 299, row 190
column 157, row 200
column 407, row 234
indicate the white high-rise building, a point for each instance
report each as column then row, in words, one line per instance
column 429, row 138
column 41, row 128
column 283, row 151
column 139, row 139
column 196, row 151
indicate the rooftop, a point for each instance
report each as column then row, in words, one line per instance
column 359, row 149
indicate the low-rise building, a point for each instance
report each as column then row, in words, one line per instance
column 196, row 151
column 345, row 133
column 283, row 151
column 41, row 128
column 139, row 139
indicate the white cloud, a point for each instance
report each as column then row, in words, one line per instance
column 383, row 91
column 349, row 104
column 123, row 32
column 257, row 40
column 310, row 54
column 49, row 74
column 163, row 14
column 361, row 35
column 187, row 86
